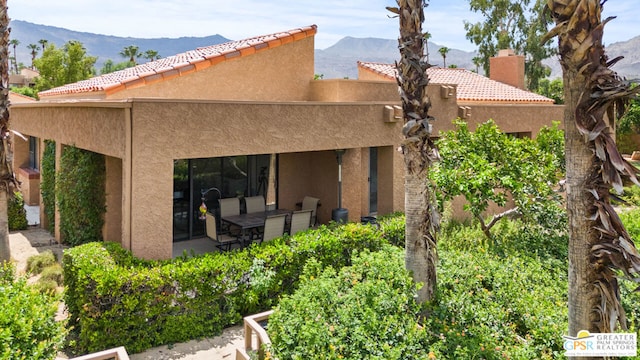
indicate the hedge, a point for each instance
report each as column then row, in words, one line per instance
column 115, row 299
column 17, row 213
column 364, row 311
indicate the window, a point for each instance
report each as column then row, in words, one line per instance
column 33, row 152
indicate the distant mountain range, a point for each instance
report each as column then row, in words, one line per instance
column 336, row 61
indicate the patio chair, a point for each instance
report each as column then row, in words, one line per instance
column 255, row 204
column 311, row 203
column 223, row 241
column 273, row 227
column 300, row 221
column 229, row 207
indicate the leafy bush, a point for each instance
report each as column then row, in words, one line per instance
column 36, row 263
column 48, row 182
column 80, row 194
column 392, row 227
column 17, row 213
column 114, row 299
column 496, row 305
column 364, row 311
column 7, row 273
column 52, row 273
column 28, row 329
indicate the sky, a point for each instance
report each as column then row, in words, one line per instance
column 242, row 19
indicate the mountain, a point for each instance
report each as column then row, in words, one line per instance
column 103, row 46
column 337, row 61
column 340, row 60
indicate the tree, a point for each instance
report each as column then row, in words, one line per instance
column 43, row 43
column 151, row 55
column 8, row 181
column 60, row 66
column 422, row 218
column 426, row 36
column 444, row 51
column 109, row 66
column 132, row 52
column 15, row 43
column 489, row 166
column 477, row 61
column 34, row 52
column 513, row 25
column 600, row 249
column 553, row 89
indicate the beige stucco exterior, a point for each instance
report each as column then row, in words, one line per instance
column 261, row 103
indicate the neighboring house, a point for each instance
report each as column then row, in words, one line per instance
column 212, row 117
column 501, row 97
column 26, row 78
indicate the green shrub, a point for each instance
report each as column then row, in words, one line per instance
column 36, row 263
column 114, row 299
column 52, row 273
column 28, row 329
column 364, row 311
column 17, row 213
column 49, row 287
column 495, row 306
column 48, row 182
column 7, row 273
column 393, row 229
column 80, row 194
column 631, row 221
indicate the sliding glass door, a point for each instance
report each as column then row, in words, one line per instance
column 236, row 176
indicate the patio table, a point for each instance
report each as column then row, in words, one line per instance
column 251, row 221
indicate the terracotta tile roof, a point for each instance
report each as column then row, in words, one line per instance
column 181, row 64
column 470, row 86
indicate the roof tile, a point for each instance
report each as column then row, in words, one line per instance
column 470, row 86
column 179, row 64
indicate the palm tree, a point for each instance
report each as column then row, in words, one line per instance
column 43, row 43
column 132, row 52
column 426, row 36
column 151, row 55
column 422, row 219
column 34, row 52
column 600, row 249
column 444, row 51
column 477, row 61
column 15, row 43
column 7, row 181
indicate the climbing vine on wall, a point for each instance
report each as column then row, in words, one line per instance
column 48, row 182
column 80, row 195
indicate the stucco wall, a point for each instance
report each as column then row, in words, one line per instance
column 164, row 131
column 341, row 90
column 279, row 74
column 516, row 118
column 94, row 127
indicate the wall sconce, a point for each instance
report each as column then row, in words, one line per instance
column 203, row 206
column 392, row 113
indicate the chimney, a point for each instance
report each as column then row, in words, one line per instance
column 507, row 68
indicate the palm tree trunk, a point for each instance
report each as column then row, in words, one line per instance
column 599, row 246
column 7, row 179
column 422, row 219
column 580, row 164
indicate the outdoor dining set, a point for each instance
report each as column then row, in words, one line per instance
column 257, row 223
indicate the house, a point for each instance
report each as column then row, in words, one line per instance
column 214, row 116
